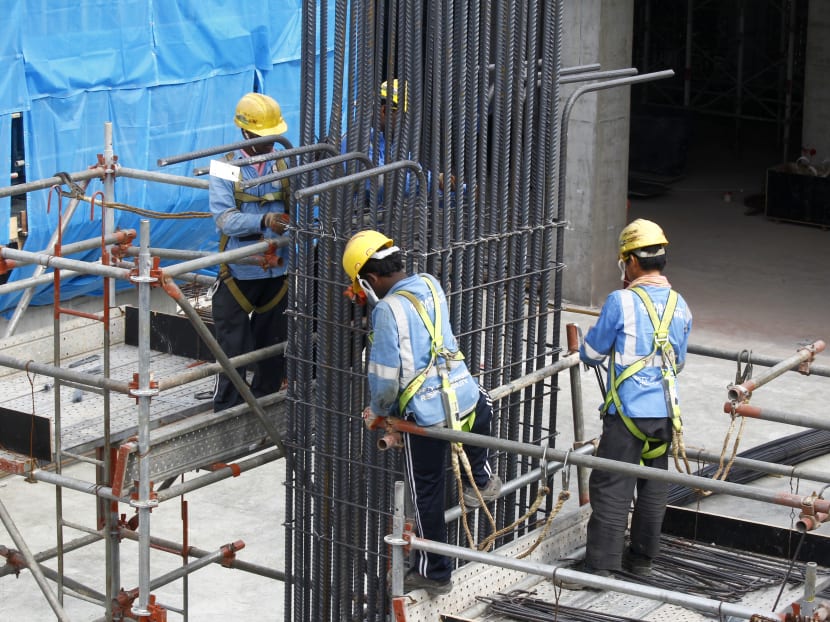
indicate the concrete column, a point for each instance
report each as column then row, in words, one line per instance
column 815, row 132
column 596, row 31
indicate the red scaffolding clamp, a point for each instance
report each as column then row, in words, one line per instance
column 813, row 349
column 6, row 265
column 14, row 559
column 229, row 553
column 123, row 603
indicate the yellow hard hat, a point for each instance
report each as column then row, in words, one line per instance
column 639, row 234
column 393, row 93
column 361, row 248
column 260, row 115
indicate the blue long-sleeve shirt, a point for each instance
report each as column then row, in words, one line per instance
column 402, row 348
column 242, row 224
column 625, row 326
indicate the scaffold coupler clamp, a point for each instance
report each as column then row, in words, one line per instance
column 813, row 349
column 14, row 559
column 229, row 553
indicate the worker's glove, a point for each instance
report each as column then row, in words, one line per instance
column 371, row 420
column 275, row 222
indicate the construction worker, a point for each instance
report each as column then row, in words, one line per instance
column 249, row 300
column 644, row 329
column 416, row 372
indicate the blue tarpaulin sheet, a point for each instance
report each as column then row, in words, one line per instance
column 167, row 75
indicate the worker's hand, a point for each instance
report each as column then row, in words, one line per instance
column 371, row 420
column 275, row 222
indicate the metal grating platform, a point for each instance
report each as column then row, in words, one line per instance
column 82, row 411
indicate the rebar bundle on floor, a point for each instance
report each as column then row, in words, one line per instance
column 520, row 605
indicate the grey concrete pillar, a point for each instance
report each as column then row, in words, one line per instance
column 815, row 132
column 596, row 31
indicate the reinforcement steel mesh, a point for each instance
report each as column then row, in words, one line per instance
column 478, row 119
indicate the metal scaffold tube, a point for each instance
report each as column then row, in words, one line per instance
column 631, row 470
column 553, row 572
column 742, row 392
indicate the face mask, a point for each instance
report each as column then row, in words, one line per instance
column 371, row 296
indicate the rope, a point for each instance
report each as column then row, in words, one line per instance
column 140, row 210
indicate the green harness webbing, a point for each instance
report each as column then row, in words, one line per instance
column 438, row 350
column 662, row 345
column 241, row 197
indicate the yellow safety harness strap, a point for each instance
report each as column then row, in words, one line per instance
column 661, row 343
column 241, row 299
column 438, row 351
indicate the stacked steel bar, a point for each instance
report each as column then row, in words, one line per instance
column 472, row 111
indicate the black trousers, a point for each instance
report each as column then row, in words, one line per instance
column 611, row 494
column 240, row 333
column 426, row 469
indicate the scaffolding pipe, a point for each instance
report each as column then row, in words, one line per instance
column 214, row 259
column 177, row 490
column 24, row 301
column 553, row 572
column 182, row 255
column 165, row 178
column 53, row 552
column 524, row 480
column 780, row 416
column 280, row 154
column 210, row 341
column 62, row 373
column 630, row 470
column 535, row 376
column 802, row 359
column 208, row 369
column 169, row 546
column 770, row 468
column 48, row 182
column 145, row 392
column 755, row 359
column 62, row 262
column 573, row 334
column 33, row 566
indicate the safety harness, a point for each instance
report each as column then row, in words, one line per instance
column 440, row 357
column 652, row 447
column 240, row 196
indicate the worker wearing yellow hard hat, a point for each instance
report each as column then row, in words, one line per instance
column 248, row 300
column 644, row 331
column 416, row 372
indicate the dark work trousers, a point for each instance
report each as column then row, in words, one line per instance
column 240, row 333
column 426, row 470
column 611, row 494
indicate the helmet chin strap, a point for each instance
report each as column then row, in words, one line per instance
column 371, row 296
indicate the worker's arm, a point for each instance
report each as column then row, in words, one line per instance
column 384, row 362
column 228, row 218
column 601, row 337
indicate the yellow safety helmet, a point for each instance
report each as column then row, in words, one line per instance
column 393, row 93
column 363, row 246
column 260, row 115
column 639, row 234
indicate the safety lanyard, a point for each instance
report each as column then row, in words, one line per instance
column 437, row 350
column 661, row 343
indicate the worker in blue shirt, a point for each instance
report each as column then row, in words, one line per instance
column 416, row 372
column 249, row 300
column 644, row 329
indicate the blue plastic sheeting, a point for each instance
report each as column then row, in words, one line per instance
column 12, row 78
column 5, row 165
column 166, row 74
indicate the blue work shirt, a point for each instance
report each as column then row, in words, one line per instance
column 242, row 224
column 402, row 348
column 624, row 325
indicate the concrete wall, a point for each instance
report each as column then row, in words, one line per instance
column 596, row 31
column 816, row 125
